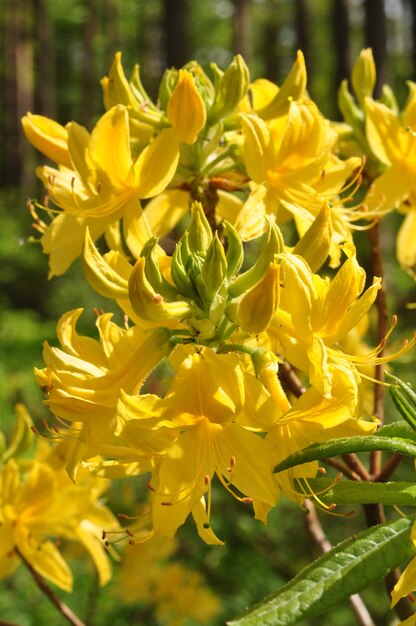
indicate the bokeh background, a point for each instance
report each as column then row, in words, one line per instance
column 52, row 55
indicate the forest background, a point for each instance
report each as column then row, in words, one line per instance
column 53, row 53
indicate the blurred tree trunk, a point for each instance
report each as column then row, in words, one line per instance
column 111, row 18
column 270, row 39
column 89, row 73
column 17, row 90
column 242, row 29
column 303, row 30
column 44, row 59
column 376, row 38
column 413, row 31
column 341, row 40
column 176, row 30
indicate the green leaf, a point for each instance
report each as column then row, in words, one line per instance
column 346, row 569
column 345, row 445
column 363, row 492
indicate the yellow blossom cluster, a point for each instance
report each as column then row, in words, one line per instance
column 40, row 506
column 195, row 195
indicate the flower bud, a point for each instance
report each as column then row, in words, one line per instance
column 200, row 234
column 364, row 75
column 315, row 244
column 351, row 113
column 235, row 251
column 272, row 244
column 230, row 89
column 255, row 311
column 150, row 305
column 292, row 89
column 214, row 269
column 153, row 274
column 186, row 109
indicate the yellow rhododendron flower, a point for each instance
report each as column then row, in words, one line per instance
column 392, row 139
column 101, row 183
column 40, row 504
column 203, row 407
column 83, row 380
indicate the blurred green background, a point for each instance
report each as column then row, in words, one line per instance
column 53, row 53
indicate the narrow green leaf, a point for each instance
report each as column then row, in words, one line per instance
column 363, row 492
column 346, row 569
column 345, row 445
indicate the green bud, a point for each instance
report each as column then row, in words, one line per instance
column 138, row 90
column 214, row 269
column 363, row 76
column 351, row 113
column 202, row 82
column 166, row 87
column 179, row 273
column 231, row 88
column 153, row 274
column 389, row 99
column 271, row 244
column 235, row 251
column 200, row 234
column 150, row 305
column 404, row 398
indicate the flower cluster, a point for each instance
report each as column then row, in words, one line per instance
column 196, row 196
column 40, row 506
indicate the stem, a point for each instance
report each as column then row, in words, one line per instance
column 44, row 587
column 355, row 465
column 389, row 468
column 344, row 469
column 317, row 533
column 5, row 623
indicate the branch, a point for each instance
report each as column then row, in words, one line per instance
column 317, row 533
column 44, row 587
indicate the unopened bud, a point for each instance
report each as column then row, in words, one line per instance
column 214, row 269
column 315, row 243
column 364, row 75
column 256, row 309
column 231, row 88
column 200, row 234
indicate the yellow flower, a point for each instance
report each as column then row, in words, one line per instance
column 83, row 381
column 203, row 407
column 316, row 313
column 40, row 504
column 101, row 183
column 392, row 139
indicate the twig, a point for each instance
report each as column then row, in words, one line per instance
column 289, row 379
column 356, row 466
column 344, row 469
column 44, row 587
column 5, row 623
column 388, row 468
column 317, row 533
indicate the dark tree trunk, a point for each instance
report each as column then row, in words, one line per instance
column 270, row 42
column 18, row 91
column 413, row 32
column 303, row 30
column 242, row 29
column 341, row 40
column 176, row 30
column 89, row 75
column 44, row 59
column 376, row 38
